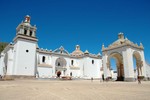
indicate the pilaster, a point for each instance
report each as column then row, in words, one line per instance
column 128, row 65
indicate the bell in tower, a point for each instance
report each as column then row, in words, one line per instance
column 25, row 44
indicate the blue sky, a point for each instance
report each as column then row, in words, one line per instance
column 89, row 23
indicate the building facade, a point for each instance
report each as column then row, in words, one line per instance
column 23, row 58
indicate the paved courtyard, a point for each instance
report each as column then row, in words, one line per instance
column 73, row 90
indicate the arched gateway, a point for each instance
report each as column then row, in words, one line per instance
column 123, row 51
column 60, row 66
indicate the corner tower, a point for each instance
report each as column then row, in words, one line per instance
column 25, row 44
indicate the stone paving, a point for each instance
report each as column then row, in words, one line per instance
column 73, row 90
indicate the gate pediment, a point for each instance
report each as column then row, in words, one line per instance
column 121, row 42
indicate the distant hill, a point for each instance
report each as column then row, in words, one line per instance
column 2, row 46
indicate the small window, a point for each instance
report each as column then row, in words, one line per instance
column 71, row 62
column 30, row 33
column 27, row 51
column 25, row 32
column 43, row 59
column 92, row 61
column 58, row 64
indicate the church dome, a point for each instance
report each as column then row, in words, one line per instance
column 61, row 50
column 77, row 52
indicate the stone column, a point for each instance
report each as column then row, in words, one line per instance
column 28, row 31
column 128, row 65
column 143, row 65
column 105, row 66
column 33, row 33
column 108, row 69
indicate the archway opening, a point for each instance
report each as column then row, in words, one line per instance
column 138, row 63
column 116, row 66
column 58, row 74
column 61, row 65
column 134, row 66
column 113, row 68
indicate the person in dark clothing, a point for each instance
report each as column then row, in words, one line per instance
column 139, row 80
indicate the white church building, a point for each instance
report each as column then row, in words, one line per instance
column 23, row 58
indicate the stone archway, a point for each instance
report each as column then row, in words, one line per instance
column 61, row 65
column 123, row 50
column 119, row 65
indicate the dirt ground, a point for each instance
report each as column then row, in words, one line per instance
column 73, row 90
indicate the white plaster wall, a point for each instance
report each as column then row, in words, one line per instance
column 25, row 61
column 47, row 58
column 147, row 70
column 10, row 62
column 77, row 63
column 45, row 72
column 75, row 73
column 1, row 64
column 53, row 64
column 81, row 65
column 67, row 66
column 91, row 70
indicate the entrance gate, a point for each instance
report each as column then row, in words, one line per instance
column 123, row 51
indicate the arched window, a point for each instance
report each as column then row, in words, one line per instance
column 43, row 59
column 92, row 61
column 30, row 33
column 58, row 63
column 71, row 62
column 25, row 32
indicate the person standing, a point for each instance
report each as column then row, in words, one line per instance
column 91, row 79
column 139, row 80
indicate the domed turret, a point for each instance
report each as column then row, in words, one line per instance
column 77, row 52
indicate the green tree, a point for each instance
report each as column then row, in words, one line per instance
column 2, row 46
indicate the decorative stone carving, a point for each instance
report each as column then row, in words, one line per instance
column 77, row 51
column 103, row 47
column 122, row 42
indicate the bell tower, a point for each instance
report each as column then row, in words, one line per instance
column 25, row 44
column 26, row 29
